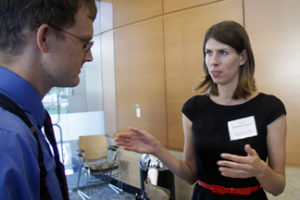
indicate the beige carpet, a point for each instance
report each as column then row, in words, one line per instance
column 292, row 188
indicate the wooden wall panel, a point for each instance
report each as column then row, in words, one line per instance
column 140, row 77
column 273, row 26
column 184, row 32
column 129, row 11
column 173, row 5
column 108, row 84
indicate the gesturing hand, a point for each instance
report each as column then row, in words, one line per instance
column 137, row 140
column 242, row 166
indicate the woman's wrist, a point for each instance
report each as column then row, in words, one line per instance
column 158, row 149
column 264, row 170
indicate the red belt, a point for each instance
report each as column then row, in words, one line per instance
column 223, row 190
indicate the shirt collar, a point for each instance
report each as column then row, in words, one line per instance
column 23, row 93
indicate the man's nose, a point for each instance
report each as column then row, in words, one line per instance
column 88, row 57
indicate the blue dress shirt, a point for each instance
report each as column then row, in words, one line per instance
column 19, row 170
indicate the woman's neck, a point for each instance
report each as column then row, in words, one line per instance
column 225, row 97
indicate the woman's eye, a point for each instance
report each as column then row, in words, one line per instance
column 223, row 53
column 209, row 53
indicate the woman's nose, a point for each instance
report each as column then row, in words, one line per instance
column 214, row 59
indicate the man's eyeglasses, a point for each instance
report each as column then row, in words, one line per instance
column 87, row 44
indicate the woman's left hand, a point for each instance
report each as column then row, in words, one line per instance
column 242, row 166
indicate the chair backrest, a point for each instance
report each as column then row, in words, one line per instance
column 94, row 146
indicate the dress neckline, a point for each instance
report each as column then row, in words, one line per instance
column 236, row 105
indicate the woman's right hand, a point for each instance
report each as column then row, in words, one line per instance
column 137, row 140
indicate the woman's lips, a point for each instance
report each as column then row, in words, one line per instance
column 215, row 74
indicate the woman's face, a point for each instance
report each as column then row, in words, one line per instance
column 223, row 62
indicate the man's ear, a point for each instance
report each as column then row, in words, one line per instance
column 243, row 57
column 42, row 37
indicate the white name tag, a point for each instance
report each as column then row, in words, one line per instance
column 242, row 128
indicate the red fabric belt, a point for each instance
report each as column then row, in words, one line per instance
column 223, row 190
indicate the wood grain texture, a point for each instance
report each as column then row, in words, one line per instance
column 140, row 77
column 175, row 5
column 130, row 11
column 184, row 32
column 273, row 26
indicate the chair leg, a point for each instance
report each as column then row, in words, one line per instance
column 118, row 188
column 88, row 181
column 121, row 179
column 115, row 188
column 82, row 195
column 78, row 179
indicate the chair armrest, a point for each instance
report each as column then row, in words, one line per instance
column 113, row 147
column 81, row 154
column 115, row 152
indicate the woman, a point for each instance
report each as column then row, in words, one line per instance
column 230, row 131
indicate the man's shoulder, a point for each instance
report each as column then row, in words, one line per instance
column 10, row 122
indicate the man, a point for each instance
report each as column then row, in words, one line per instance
column 43, row 44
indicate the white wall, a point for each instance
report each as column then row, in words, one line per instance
column 75, row 124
